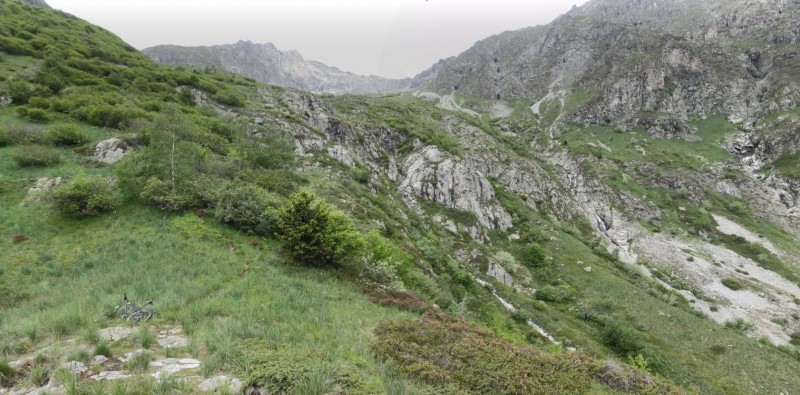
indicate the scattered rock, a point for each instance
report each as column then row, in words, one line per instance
column 5, row 101
column 587, row 269
column 229, row 383
column 514, row 236
column 111, row 375
column 111, row 151
column 173, row 341
column 43, row 185
column 75, row 366
column 116, row 333
column 99, row 360
column 166, row 367
column 21, row 363
column 129, row 355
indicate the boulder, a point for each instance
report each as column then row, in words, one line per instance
column 112, row 150
column 43, row 184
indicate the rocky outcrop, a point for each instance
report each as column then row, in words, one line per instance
column 609, row 60
column 436, row 176
column 112, row 150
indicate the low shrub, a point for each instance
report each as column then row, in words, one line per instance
column 7, row 373
column 160, row 194
column 66, row 135
column 23, row 134
column 248, row 208
column 4, row 139
column 291, row 371
column 732, row 284
column 36, row 156
column 85, row 196
column 460, row 357
column 381, row 273
column 35, row 114
column 230, row 98
column 552, row 294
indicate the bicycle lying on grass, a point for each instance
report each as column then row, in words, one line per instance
column 133, row 311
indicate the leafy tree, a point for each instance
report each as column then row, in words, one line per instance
column 163, row 173
column 314, row 235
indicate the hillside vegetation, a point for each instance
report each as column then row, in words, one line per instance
column 353, row 244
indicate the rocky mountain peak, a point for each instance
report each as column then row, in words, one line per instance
column 266, row 63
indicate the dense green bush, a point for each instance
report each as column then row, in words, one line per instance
column 312, row 234
column 292, row 371
column 4, row 139
column 85, row 196
column 621, row 337
column 20, row 91
column 230, row 98
column 162, row 195
column 732, row 284
column 66, row 135
column 7, row 373
column 536, row 257
column 33, row 114
column 553, row 294
column 36, row 155
column 248, row 208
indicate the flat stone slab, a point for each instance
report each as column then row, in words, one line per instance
column 230, row 383
column 75, row 367
column 116, row 333
column 173, row 341
column 111, row 375
column 167, row 367
column 99, row 360
column 129, row 355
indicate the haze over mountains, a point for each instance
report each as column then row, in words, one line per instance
column 265, row 63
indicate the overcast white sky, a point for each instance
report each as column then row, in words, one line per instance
column 391, row 38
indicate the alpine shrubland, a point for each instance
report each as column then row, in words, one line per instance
column 277, row 230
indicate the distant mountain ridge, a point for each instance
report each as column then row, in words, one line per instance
column 266, row 63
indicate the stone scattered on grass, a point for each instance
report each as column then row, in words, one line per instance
column 75, row 367
column 116, row 333
column 129, row 355
column 166, row 367
column 221, row 383
column 99, row 360
column 173, row 341
column 111, row 375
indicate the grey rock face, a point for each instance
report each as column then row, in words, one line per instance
column 438, row 177
column 266, row 63
column 612, row 59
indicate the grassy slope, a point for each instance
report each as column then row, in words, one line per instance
column 63, row 280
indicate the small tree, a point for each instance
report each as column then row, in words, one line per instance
column 536, row 257
column 314, row 235
column 85, row 196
